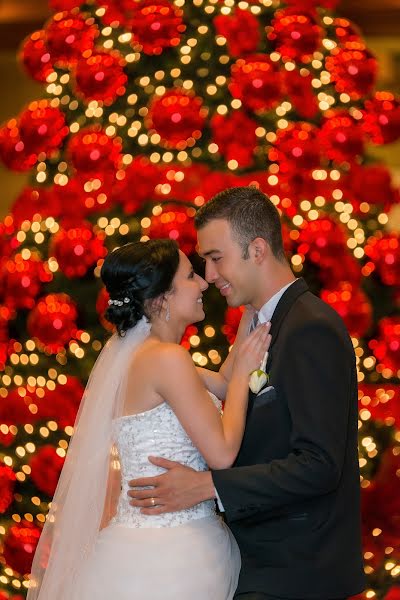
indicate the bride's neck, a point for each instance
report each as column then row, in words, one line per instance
column 167, row 331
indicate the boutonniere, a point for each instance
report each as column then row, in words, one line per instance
column 258, row 378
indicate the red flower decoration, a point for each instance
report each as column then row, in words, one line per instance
column 257, row 82
column 371, row 185
column 53, row 321
column 7, row 484
column 312, row 5
column 352, row 305
column 14, row 408
column 235, row 135
column 46, row 467
column 189, row 331
column 82, row 196
column 13, row 153
column 21, row 279
column 342, row 136
column 178, row 117
column 33, row 202
column 5, row 316
column 68, row 36
column 384, row 252
column 393, row 593
column 295, row 36
column 346, row 31
column 115, row 12
column 92, row 150
column 35, row 56
column 297, row 146
column 353, row 69
column 61, row 404
column 59, row 5
column 300, row 91
column 20, row 544
column 241, row 30
column 156, row 25
column 42, row 127
column 137, row 185
column 386, row 346
column 382, row 118
column 379, row 402
column 77, row 249
column 101, row 76
column 176, row 223
column 232, row 322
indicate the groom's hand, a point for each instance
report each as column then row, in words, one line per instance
column 178, row 488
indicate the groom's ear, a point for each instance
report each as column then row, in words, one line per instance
column 259, row 250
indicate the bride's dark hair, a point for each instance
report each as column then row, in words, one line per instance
column 135, row 273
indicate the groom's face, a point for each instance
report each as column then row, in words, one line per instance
column 225, row 266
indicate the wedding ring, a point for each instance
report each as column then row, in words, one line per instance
column 152, row 501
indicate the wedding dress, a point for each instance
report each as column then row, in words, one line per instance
column 189, row 554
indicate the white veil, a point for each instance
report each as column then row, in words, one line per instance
column 82, row 498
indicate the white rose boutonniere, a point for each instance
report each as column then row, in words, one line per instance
column 258, row 378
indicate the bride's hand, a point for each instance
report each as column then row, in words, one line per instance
column 252, row 351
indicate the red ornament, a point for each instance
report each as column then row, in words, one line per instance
column 21, row 279
column 101, row 307
column 384, row 252
column 82, row 196
column 176, row 223
column 295, row 36
column 178, row 117
column 341, row 136
column 312, row 5
column 101, row 76
column 195, row 184
column 235, row 136
column 34, row 203
column 14, row 408
column 20, row 544
column 300, row 91
column 13, row 153
column 61, row 404
column 35, row 56
column 53, row 321
column 77, row 249
column 5, row 317
column 382, row 118
column 386, row 346
column 296, row 147
column 68, row 36
column 114, row 12
column 189, row 331
column 92, row 150
column 42, row 127
column 137, row 186
column 156, row 25
column 380, row 403
column 7, row 484
column 231, row 322
column 352, row 305
column 46, row 467
column 353, row 69
column 257, row 82
column 393, row 593
column 369, row 185
column 241, row 30
column 59, row 5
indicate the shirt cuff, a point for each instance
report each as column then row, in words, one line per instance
column 220, row 505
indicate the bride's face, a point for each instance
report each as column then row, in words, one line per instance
column 185, row 298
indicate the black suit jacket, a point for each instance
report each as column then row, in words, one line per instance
column 292, row 498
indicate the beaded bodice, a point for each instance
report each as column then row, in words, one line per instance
column 155, row 432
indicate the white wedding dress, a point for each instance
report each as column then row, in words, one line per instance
column 184, row 555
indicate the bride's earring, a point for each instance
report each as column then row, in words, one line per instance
column 167, row 315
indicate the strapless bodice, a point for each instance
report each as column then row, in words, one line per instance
column 155, row 432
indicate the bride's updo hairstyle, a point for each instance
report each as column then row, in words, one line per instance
column 135, row 274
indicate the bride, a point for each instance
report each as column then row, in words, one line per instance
column 144, row 396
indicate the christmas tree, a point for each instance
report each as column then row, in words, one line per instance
column 151, row 107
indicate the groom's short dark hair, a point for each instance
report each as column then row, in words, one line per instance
column 250, row 213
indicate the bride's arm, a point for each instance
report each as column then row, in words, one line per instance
column 218, row 439
column 217, row 381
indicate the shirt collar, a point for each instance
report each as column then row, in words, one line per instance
column 267, row 310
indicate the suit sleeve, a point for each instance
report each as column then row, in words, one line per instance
column 317, row 385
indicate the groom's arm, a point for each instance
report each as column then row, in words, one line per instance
column 319, row 389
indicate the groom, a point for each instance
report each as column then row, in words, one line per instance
column 292, row 497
